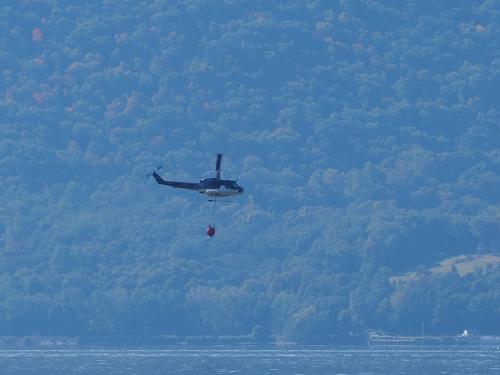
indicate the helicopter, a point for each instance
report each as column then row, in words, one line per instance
column 212, row 187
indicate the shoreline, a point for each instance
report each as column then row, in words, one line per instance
column 131, row 341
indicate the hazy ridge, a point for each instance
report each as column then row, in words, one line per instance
column 366, row 136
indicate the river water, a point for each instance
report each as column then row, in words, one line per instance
column 225, row 360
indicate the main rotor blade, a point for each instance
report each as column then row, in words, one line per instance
column 217, row 164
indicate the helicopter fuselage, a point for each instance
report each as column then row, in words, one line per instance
column 212, row 187
column 216, row 187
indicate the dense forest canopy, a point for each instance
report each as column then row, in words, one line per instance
column 366, row 135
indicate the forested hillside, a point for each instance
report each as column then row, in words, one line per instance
column 366, row 135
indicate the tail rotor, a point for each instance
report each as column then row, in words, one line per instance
column 156, row 170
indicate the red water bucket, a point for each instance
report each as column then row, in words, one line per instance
column 210, row 231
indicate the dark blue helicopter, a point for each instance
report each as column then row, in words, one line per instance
column 212, row 187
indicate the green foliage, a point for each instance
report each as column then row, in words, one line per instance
column 365, row 134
